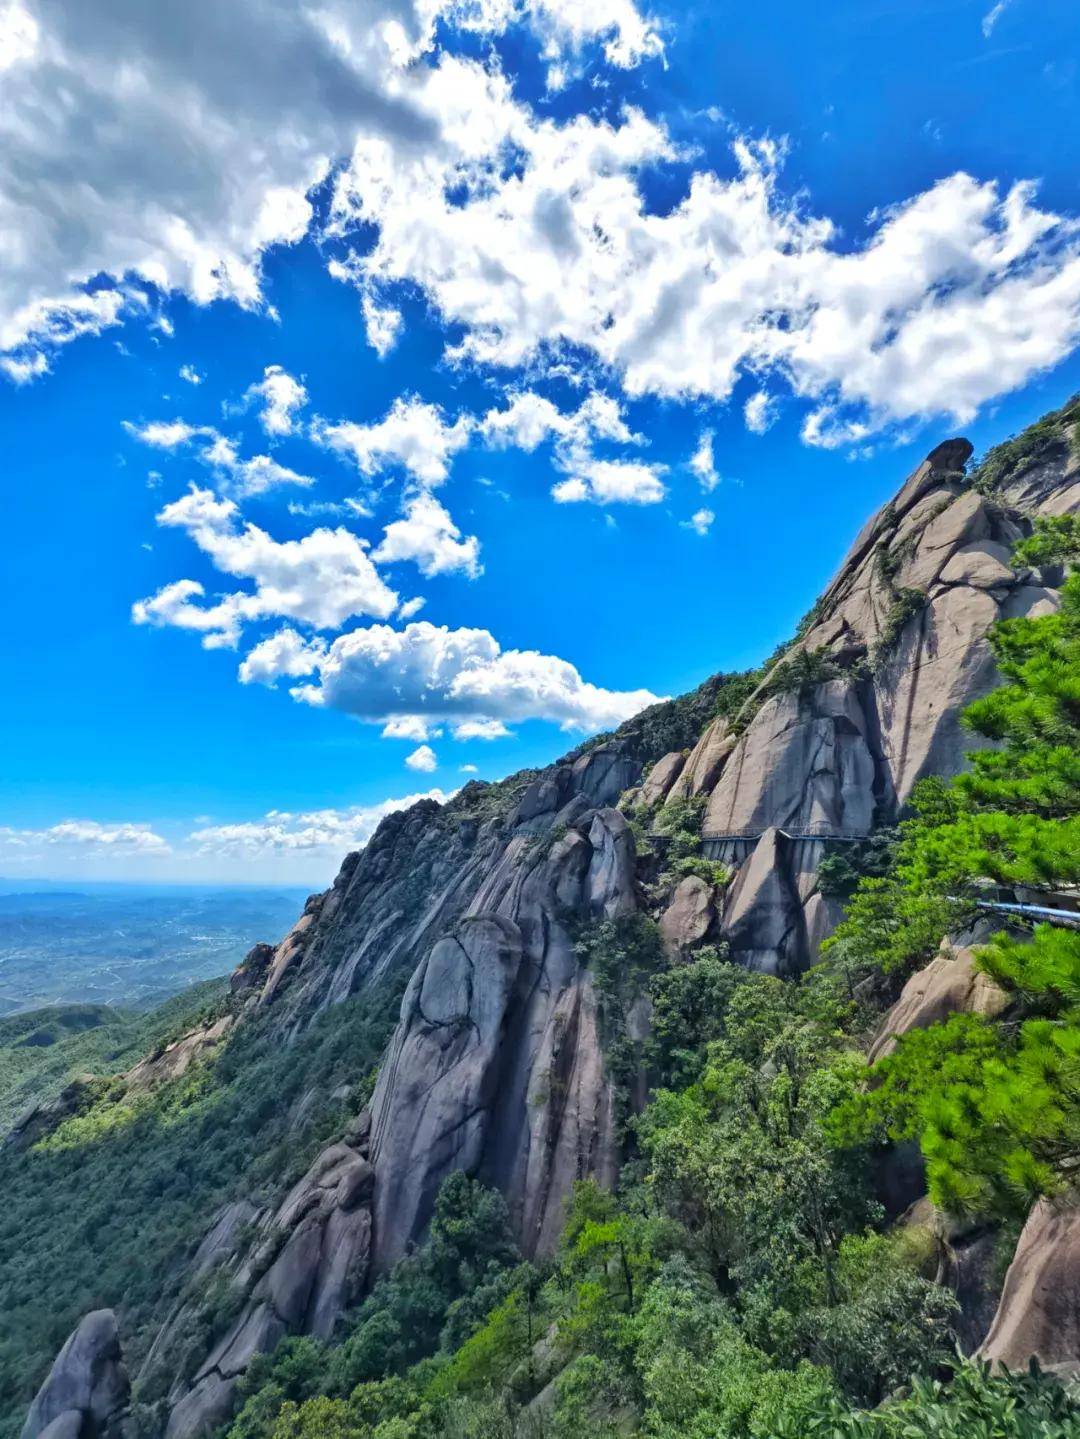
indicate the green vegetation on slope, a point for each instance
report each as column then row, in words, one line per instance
column 994, row 1105
column 107, row 1209
column 41, row 1050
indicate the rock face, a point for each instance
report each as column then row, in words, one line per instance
column 87, row 1388
column 306, row 1265
column 1039, row 1313
column 949, row 984
column 689, row 917
column 899, row 638
column 496, row 1065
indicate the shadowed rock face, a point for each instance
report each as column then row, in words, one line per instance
column 496, row 1065
column 305, row 1265
column 87, row 1388
column 1039, row 1313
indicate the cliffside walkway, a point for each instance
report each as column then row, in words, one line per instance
column 812, row 831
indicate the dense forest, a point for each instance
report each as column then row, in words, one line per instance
column 751, row 1277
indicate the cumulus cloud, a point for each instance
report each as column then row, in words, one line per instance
column 242, row 477
column 383, row 325
column 184, row 143
column 957, row 295
column 411, row 727
column 759, row 412
column 422, row 759
column 329, row 832
column 428, row 536
column 191, row 375
column 321, row 580
column 608, row 482
column 700, row 522
column 703, row 463
column 444, row 674
column 414, row 436
column 531, row 419
column 88, row 836
column 481, row 729
column 280, row 398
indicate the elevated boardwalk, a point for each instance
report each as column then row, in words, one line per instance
column 736, row 844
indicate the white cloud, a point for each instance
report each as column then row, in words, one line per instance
column 383, row 324
column 280, row 397
column 331, row 832
column 254, row 476
column 759, row 412
column 530, row 419
column 191, row 375
column 166, row 434
column 413, row 435
column 422, row 759
column 412, row 607
column 449, row 675
column 88, row 836
column 283, row 653
column 428, row 536
column 480, row 729
column 992, row 16
column 321, row 580
column 612, row 482
column 700, row 522
column 957, row 295
column 468, row 769
column 703, row 463
column 172, row 146
column 411, row 727
column 22, row 371
column 565, row 26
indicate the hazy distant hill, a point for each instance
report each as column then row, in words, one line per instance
column 130, row 945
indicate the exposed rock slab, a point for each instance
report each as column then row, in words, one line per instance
column 661, row 777
column 949, row 984
column 307, row 1264
column 87, row 1389
column 689, row 916
column 1039, row 1313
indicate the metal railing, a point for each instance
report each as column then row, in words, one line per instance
column 818, row 830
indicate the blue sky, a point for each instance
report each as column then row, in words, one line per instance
column 601, row 339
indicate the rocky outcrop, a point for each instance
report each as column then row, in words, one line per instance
column 86, row 1391
column 306, row 1265
column 805, row 765
column 689, row 917
column 42, row 1117
column 705, row 762
column 949, row 984
column 496, row 1066
column 1039, row 1313
column 660, row 779
column 251, row 972
column 177, row 1058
